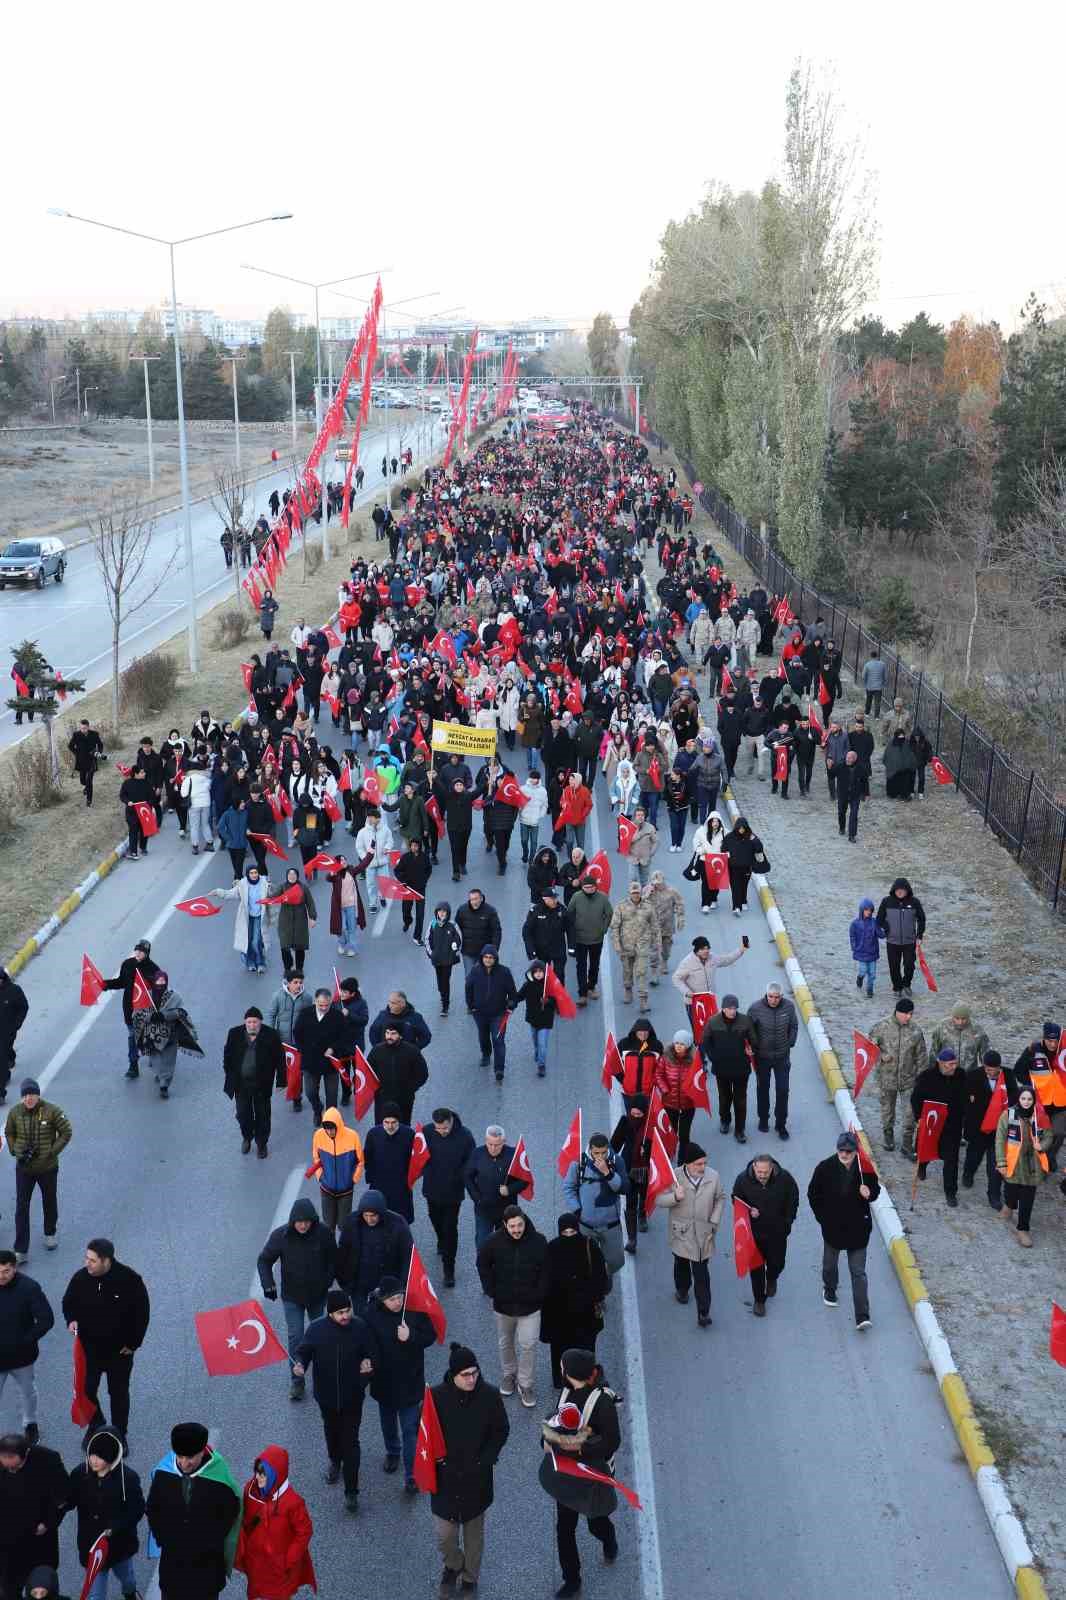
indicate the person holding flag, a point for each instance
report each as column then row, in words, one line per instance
column 449, row 1146
column 473, row 1429
column 399, row 1378
column 585, row 1431
column 540, row 1013
column 1021, row 1160
column 772, row 1197
column 138, row 963
column 163, row 1028
column 137, row 796
column 901, row 918
column 695, row 1202
column 631, row 1144
column 945, row 1084
column 107, row 1499
column 986, row 1100
column 307, row 1252
column 840, row 1194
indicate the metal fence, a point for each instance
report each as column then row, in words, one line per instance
column 1014, row 801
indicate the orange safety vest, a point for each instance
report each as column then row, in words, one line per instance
column 1015, row 1135
column 1049, row 1084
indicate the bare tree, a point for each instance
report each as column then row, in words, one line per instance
column 123, row 538
column 232, row 495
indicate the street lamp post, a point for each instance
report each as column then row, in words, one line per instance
column 292, row 354
column 53, row 384
column 148, row 414
column 233, row 360
column 85, row 393
column 183, row 453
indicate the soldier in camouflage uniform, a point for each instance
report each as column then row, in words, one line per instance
column 959, row 1033
column 669, row 911
column 635, row 933
column 903, row 1055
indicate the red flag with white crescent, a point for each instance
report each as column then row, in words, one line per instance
column 293, row 1072
column 94, row 1562
column 660, row 1172
column 322, row 862
column 430, row 1446
column 746, row 1253
column 146, row 817
column 572, row 1145
column 695, row 1086
column 996, row 1106
column 331, row 807
column 291, row 895
column 565, row 1003
column 926, row 973
column 510, row 792
column 365, row 1084
column 521, row 1169
column 421, row 1295
column 418, row 1158
column 271, row 847
column 390, row 888
column 569, row 1468
column 372, row 789
column 237, row 1338
column 867, row 1055
column 658, row 1119
column 940, row 771
column 716, row 870
column 780, row 763
column 612, row 1063
column 141, row 995
column 866, row 1166
column 930, row 1127
column 433, row 811
column 626, row 832
column 92, row 982
column 702, row 1007
column 598, row 868
column 198, row 908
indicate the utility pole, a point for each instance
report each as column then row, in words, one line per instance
column 148, row 413
column 292, row 354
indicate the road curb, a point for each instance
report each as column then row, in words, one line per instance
column 1003, row 1519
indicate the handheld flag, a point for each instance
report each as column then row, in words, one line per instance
column 867, row 1056
column 702, row 1007
column 658, row 1119
column 330, row 807
column 237, row 1339
column 82, row 1409
column 660, row 1172
column 572, row 1146
column 418, row 1158
column 92, row 982
column 716, row 870
column 569, row 1468
column 996, row 1106
column 322, row 862
column 270, row 845
column 1057, row 1342
column 141, row 995
column 612, row 1063
column 598, row 869
column 197, row 908
column 940, row 771
column 430, row 1447
column 930, row 1127
column 521, row 1169
column 746, row 1253
column 510, row 792
column 365, row 1085
column 421, row 1295
column 290, row 896
column 94, row 1561
column 923, row 963
column 626, row 832
column 146, row 817
column 293, row 1072
column 565, row 1003
column 865, row 1165
column 780, row 763
column 694, row 1084
column 392, row 889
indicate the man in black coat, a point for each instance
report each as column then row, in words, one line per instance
column 13, row 1009
column 450, row 1147
column 307, row 1252
column 851, row 779
column 192, row 1506
column 139, row 962
column 253, row 1062
column 945, row 1083
column 479, row 925
column 33, row 1497
column 544, row 932
column 319, row 1033
column 25, row 1318
column 488, row 1184
column 513, row 1268
column 401, row 1070
column 772, row 1196
column 399, row 1379
column 401, row 1014
column 840, row 1195
column 457, row 804
column 87, row 748
column 374, row 1243
column 474, row 1424
column 106, row 1306
column 387, row 1152
column 981, row 1084
column 342, row 1353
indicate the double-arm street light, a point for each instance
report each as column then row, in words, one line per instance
column 183, row 454
column 54, row 384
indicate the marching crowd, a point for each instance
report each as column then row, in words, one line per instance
column 516, row 610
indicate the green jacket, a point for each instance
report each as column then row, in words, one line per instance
column 588, row 916
column 1027, row 1170
column 41, row 1135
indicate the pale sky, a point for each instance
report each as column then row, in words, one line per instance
column 520, row 159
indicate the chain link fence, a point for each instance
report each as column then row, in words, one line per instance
column 1014, row 801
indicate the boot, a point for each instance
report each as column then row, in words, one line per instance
column 644, row 1002
column 296, row 1389
column 627, row 996
column 1025, row 1239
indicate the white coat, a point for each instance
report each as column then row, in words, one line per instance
column 239, row 892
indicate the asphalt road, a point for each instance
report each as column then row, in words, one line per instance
column 71, row 622
column 792, row 1456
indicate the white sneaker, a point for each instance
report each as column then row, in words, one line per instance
column 51, row 1242
column 705, row 910
column 507, row 1386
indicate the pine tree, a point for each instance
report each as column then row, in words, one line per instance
column 46, row 688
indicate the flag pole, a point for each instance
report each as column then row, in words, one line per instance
column 407, row 1290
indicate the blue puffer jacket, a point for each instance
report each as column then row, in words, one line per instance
column 233, row 829
column 865, row 934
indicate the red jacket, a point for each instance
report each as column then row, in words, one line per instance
column 576, row 803
column 669, row 1073
column 273, row 1549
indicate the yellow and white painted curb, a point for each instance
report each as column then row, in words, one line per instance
column 65, row 910
column 1005, row 1524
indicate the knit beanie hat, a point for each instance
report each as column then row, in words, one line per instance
column 461, row 1359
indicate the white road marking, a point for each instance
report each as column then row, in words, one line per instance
column 289, row 1191
column 651, row 1567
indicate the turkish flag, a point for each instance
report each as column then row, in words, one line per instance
column 430, row 1447
column 626, row 831
column 146, row 817
column 394, row 857
column 569, row 1468
column 566, row 810
column 867, row 1055
column 141, row 996
column 98, row 1552
column 702, row 1007
column 344, row 782
column 727, row 681
column 1057, row 1342
column 940, row 771
column 658, row 1119
column 573, row 701
column 269, row 843
column 290, row 896
column 442, row 644
column 418, row 1158
column 824, row 695
column 866, row 1166
column 333, row 638
column 393, row 889
column 510, row 792
column 655, row 775
column 331, row 807
column 293, row 1072
column 336, row 986
column 322, row 862
column 92, row 982
column 599, row 870
column 695, row 1085
column 746, row 1253
column 565, row 1003
column 237, row 1339
column 660, row 1172
column 612, row 1063
column 572, row 1145
column 197, row 908
column 365, row 1086
column 930, row 1126
column 82, row 1409
column 433, row 811
column 716, row 870
column 277, row 810
column 246, row 673
column 996, row 1106
column 521, row 1169
column 780, row 763
column 372, row 789
column 923, row 963
column 421, row 1296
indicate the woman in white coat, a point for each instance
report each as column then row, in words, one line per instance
column 625, row 789
column 253, row 921
column 707, row 840
column 695, row 1203
column 508, row 700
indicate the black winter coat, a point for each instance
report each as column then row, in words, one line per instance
column 490, row 994
column 444, row 943
column 484, row 1176
column 313, row 1037
column 335, row 1355
column 540, row 1013
column 576, row 1281
column 37, row 1493
column 777, row 1201
column 475, row 1429
column 25, row 1318
column 411, row 1024
column 954, row 1091
column 308, row 1260
column 444, row 1173
column 544, row 933
column 478, row 927
column 269, row 1059
column 513, row 1272
column 387, row 1158
column 400, row 1366
column 114, row 1502
column 365, row 1255
column 111, row 1312
column 13, row 1009
column 842, row 1214
column 191, row 1533
column 401, row 1070
column 723, row 1046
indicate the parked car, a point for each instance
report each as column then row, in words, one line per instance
column 33, row 561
